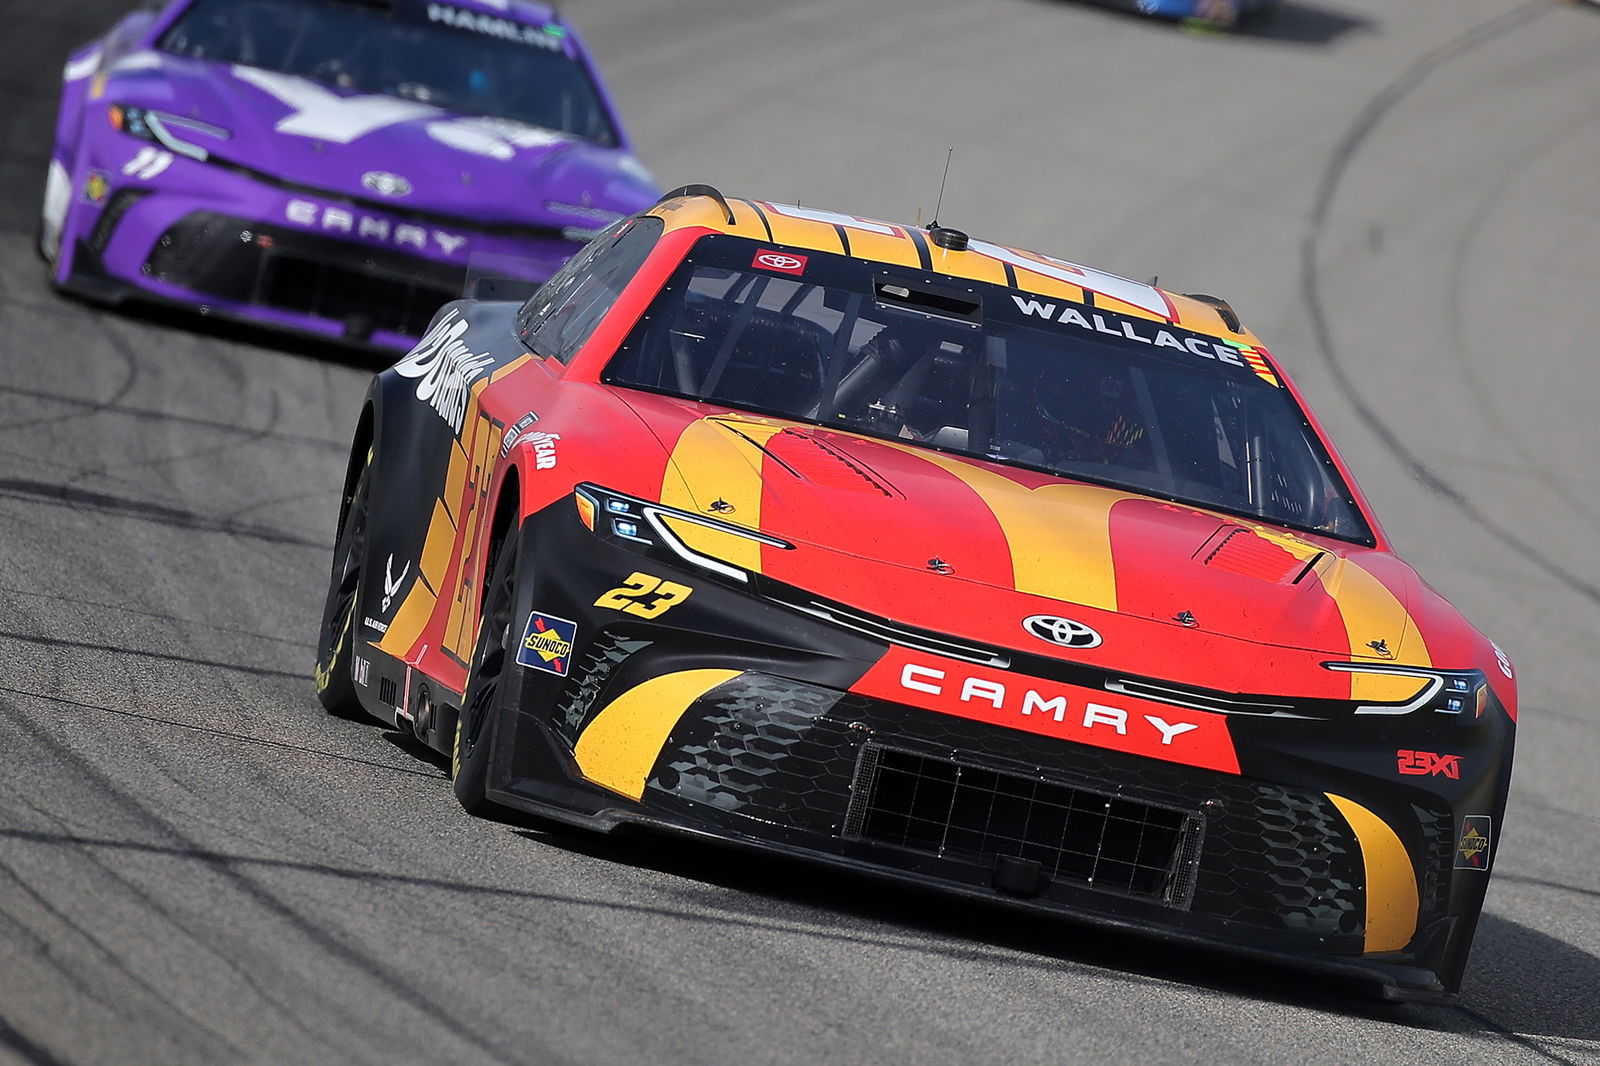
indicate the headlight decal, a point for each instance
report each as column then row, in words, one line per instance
column 1452, row 692
column 613, row 514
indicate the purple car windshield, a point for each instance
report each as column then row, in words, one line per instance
column 434, row 53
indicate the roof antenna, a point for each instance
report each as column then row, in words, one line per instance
column 940, row 202
column 951, row 240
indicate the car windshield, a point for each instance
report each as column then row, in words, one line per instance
column 434, row 53
column 991, row 372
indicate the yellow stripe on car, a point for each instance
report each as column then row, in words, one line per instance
column 723, row 455
column 1372, row 613
column 1044, row 562
column 1392, row 899
column 623, row 741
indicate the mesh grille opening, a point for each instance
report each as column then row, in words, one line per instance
column 970, row 813
column 365, row 288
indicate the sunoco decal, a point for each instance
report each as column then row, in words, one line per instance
column 547, row 643
column 445, row 368
column 1472, row 850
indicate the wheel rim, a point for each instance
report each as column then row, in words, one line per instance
column 490, row 664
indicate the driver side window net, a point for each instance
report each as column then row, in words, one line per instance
column 847, row 346
column 558, row 319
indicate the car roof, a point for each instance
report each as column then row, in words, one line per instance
column 916, row 247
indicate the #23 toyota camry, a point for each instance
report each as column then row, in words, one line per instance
column 919, row 555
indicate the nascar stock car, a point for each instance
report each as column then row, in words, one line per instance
column 1222, row 14
column 927, row 557
column 330, row 166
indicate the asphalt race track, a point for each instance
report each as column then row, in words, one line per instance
column 198, row 866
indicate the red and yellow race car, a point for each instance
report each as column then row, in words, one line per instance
column 902, row 551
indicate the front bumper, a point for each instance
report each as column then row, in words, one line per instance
column 240, row 245
column 736, row 721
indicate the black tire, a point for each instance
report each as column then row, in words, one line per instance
column 493, row 657
column 336, row 637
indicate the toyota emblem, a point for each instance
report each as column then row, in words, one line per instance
column 783, row 262
column 385, row 184
column 1062, row 631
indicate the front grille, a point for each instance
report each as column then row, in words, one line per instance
column 328, row 290
column 586, row 681
column 366, row 289
column 969, row 813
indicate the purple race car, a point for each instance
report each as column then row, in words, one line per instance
column 330, row 166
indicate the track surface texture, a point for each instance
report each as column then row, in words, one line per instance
column 198, row 866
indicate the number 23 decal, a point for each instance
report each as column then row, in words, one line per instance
column 644, row 596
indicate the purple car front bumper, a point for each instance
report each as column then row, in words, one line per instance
column 225, row 240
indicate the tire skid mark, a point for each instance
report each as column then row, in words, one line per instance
column 238, row 513
column 35, row 940
column 141, row 653
column 208, row 452
column 123, row 608
column 299, row 749
column 1343, row 155
column 324, row 939
column 953, row 947
column 1531, row 467
column 113, row 961
column 130, row 361
column 31, row 1053
column 1539, row 882
column 153, row 905
column 147, row 414
column 50, row 493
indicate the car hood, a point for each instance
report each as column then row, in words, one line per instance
column 873, row 520
column 308, row 134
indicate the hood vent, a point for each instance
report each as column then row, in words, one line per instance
column 1239, row 551
column 824, row 464
column 812, row 459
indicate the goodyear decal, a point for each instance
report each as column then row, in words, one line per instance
column 547, row 643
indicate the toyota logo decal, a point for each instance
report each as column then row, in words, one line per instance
column 1062, row 631
column 783, row 262
column 385, row 184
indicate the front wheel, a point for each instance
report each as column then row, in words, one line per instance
column 335, row 670
column 493, row 656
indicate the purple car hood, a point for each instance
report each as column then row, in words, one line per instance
column 385, row 149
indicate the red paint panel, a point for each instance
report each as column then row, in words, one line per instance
column 1052, row 709
column 876, row 508
column 1162, row 570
